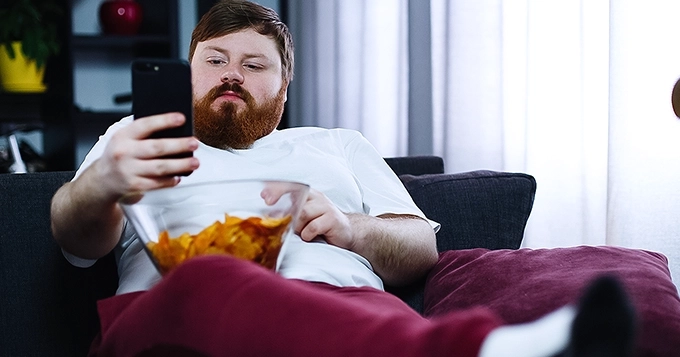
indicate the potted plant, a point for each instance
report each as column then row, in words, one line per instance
column 28, row 37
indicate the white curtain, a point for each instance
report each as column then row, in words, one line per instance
column 575, row 93
column 351, row 68
column 527, row 90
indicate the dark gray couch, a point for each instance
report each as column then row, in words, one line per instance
column 47, row 307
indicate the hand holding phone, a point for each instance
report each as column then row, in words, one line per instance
column 162, row 86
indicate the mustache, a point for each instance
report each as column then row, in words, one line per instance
column 233, row 87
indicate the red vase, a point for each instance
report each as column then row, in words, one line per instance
column 120, row 17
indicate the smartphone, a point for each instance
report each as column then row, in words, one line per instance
column 161, row 86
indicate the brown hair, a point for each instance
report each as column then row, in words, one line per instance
column 230, row 16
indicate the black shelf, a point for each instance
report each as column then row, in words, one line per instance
column 157, row 37
column 64, row 126
column 89, row 117
column 108, row 42
column 20, row 107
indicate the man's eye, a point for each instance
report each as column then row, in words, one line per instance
column 252, row 66
column 216, row 61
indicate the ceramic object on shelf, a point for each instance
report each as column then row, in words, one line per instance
column 120, row 17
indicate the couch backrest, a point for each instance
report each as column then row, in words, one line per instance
column 416, row 165
column 47, row 306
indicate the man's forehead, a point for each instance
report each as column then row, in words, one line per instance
column 243, row 41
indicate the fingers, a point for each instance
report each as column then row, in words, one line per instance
column 131, row 162
column 161, row 169
column 320, row 218
column 317, row 226
column 274, row 190
column 122, row 177
column 144, row 127
column 156, row 148
column 143, row 184
column 150, row 157
column 308, row 212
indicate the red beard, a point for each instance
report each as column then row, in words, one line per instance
column 226, row 128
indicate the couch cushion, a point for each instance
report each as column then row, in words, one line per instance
column 477, row 209
column 522, row 285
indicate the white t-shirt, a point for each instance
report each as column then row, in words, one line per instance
column 340, row 163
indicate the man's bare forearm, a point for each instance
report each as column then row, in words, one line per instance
column 401, row 248
column 85, row 221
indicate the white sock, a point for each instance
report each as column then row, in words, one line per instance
column 544, row 337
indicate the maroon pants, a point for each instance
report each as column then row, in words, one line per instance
column 221, row 306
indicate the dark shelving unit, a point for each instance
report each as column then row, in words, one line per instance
column 19, row 108
column 109, row 42
column 54, row 112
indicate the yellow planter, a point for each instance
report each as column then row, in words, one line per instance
column 20, row 74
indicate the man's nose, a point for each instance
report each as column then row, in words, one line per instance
column 232, row 74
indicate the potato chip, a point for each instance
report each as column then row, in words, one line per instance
column 254, row 238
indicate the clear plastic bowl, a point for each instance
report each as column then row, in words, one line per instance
column 222, row 217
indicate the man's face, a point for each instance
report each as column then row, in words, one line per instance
column 238, row 89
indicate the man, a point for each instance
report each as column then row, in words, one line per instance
column 358, row 228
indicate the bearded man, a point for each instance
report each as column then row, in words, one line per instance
column 358, row 229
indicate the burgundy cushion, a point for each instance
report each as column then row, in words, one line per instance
column 522, row 285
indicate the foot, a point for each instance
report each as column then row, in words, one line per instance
column 605, row 322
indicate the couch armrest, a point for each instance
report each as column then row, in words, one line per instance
column 478, row 209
